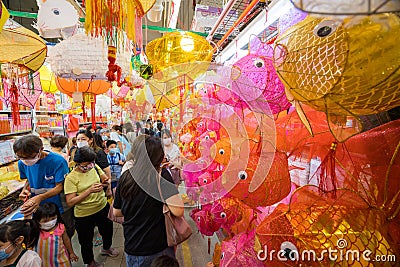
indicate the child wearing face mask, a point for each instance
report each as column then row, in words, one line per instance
column 44, row 173
column 15, row 238
column 84, row 191
column 54, row 246
column 116, row 161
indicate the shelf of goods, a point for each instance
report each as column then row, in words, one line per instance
column 7, row 126
column 49, row 123
column 10, row 184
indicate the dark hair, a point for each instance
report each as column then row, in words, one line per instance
column 159, row 126
column 89, row 135
column 166, row 132
column 117, row 128
column 27, row 145
column 147, row 156
column 46, row 210
column 28, row 228
column 138, row 126
column 110, row 142
column 165, row 261
column 58, row 141
column 74, row 140
column 98, row 140
column 128, row 127
column 84, row 154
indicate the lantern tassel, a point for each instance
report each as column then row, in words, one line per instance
column 93, row 110
column 14, row 105
column 84, row 115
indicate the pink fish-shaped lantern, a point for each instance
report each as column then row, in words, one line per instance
column 256, row 81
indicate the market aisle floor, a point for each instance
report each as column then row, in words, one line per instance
column 192, row 253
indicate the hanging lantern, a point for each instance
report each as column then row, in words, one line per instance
column 344, row 69
column 4, row 15
column 47, row 80
column 57, row 18
column 84, row 57
column 344, row 7
column 178, row 53
column 69, row 86
column 20, row 46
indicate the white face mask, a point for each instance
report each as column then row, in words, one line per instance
column 48, row 225
column 167, row 141
column 82, row 144
column 30, row 162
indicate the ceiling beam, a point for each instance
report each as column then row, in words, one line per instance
column 149, row 27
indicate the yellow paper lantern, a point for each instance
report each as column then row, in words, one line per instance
column 4, row 15
column 178, row 53
column 22, row 47
column 47, row 80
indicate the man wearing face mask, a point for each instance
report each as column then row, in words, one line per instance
column 45, row 173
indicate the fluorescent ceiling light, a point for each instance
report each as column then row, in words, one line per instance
column 255, row 27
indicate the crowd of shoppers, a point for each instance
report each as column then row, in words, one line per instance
column 67, row 189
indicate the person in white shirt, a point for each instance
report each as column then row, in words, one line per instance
column 173, row 155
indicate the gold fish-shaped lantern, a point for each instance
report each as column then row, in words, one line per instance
column 343, row 68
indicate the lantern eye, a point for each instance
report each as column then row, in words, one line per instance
column 259, row 63
column 223, row 215
column 221, row 151
column 289, row 250
column 242, row 175
column 205, row 181
column 325, row 28
column 56, row 11
column 207, row 137
column 198, row 219
column 222, row 255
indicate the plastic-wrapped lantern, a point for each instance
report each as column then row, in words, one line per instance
column 178, row 53
column 344, row 7
column 344, row 69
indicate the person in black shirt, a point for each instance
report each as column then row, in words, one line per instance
column 137, row 198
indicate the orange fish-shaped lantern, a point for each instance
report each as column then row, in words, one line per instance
column 274, row 186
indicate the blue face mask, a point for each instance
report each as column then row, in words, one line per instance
column 4, row 255
column 113, row 151
column 105, row 137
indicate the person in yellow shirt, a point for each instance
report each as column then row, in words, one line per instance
column 83, row 189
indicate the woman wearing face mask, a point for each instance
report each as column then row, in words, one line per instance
column 172, row 154
column 86, row 138
column 84, row 191
column 45, row 173
column 54, row 246
column 15, row 238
